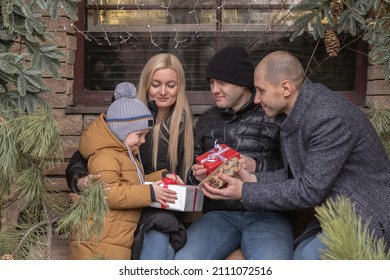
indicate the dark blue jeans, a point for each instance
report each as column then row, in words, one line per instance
column 310, row 248
column 261, row 235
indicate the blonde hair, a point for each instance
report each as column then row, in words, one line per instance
column 179, row 111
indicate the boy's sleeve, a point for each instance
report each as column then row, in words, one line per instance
column 122, row 194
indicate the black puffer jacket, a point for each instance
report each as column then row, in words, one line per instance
column 248, row 131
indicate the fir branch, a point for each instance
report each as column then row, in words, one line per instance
column 85, row 218
column 345, row 235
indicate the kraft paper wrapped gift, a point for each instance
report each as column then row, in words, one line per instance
column 189, row 198
column 215, row 157
column 228, row 167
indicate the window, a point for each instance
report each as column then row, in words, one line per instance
column 117, row 37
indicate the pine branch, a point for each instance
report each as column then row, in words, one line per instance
column 30, row 231
column 380, row 119
column 345, row 235
column 86, row 214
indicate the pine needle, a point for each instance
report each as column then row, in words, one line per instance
column 380, row 119
column 9, row 153
column 85, row 218
column 41, row 127
column 345, row 235
column 28, row 236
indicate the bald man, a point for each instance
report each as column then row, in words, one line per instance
column 329, row 148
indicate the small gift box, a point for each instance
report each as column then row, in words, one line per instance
column 229, row 167
column 215, row 157
column 189, row 198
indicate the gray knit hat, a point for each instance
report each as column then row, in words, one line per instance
column 127, row 114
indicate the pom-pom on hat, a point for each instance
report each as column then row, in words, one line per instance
column 233, row 65
column 127, row 114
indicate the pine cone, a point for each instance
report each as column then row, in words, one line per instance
column 336, row 8
column 7, row 257
column 332, row 43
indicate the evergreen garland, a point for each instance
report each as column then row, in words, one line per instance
column 369, row 19
column 29, row 134
column 345, row 235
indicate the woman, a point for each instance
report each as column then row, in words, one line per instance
column 162, row 88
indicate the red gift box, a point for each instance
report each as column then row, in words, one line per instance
column 215, row 157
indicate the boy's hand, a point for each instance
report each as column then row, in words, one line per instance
column 163, row 195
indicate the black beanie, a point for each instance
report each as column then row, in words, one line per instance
column 233, row 65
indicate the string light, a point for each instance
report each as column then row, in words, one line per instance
column 81, row 32
column 173, row 24
column 147, row 25
column 250, row 16
column 116, row 19
column 196, row 18
column 100, row 20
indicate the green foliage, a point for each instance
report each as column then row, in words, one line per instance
column 27, row 141
column 22, row 25
column 29, row 134
column 345, row 235
column 380, row 119
column 86, row 214
column 369, row 18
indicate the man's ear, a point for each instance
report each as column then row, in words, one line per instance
column 288, row 88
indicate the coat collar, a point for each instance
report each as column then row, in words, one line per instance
column 303, row 102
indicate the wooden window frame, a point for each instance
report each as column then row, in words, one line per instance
column 93, row 101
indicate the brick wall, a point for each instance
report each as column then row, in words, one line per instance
column 378, row 89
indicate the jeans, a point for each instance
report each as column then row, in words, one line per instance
column 309, row 248
column 261, row 235
column 156, row 246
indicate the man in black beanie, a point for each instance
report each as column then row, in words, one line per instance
column 242, row 125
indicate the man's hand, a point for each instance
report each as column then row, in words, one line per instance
column 248, row 163
column 199, row 172
column 233, row 190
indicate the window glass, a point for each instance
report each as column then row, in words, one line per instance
column 121, row 35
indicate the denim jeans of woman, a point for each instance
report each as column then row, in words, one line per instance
column 310, row 248
column 261, row 235
column 156, row 246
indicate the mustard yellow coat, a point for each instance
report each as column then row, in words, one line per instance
column 126, row 197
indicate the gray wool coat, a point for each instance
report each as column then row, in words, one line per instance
column 331, row 149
